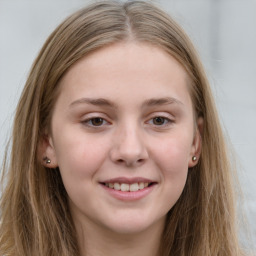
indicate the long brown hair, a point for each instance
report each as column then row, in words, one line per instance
column 35, row 217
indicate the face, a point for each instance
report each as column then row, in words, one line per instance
column 123, row 136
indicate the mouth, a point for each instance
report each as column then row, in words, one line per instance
column 128, row 187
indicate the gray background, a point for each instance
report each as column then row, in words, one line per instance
column 224, row 32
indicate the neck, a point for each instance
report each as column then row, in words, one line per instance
column 104, row 242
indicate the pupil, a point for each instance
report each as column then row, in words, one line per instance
column 97, row 121
column 158, row 120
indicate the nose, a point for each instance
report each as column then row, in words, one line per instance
column 128, row 147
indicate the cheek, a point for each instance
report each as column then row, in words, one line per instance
column 172, row 160
column 78, row 164
column 173, row 155
column 78, row 157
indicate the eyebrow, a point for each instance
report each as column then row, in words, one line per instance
column 161, row 101
column 95, row 102
column 148, row 103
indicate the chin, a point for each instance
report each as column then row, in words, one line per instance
column 134, row 225
column 129, row 228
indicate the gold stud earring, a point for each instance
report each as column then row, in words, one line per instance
column 194, row 158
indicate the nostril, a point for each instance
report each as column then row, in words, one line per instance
column 127, row 162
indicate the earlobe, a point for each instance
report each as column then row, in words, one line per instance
column 46, row 152
column 197, row 144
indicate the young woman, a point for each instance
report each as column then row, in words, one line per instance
column 117, row 147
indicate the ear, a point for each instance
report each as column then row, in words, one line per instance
column 197, row 143
column 46, row 152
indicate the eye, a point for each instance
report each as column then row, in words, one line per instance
column 160, row 121
column 95, row 121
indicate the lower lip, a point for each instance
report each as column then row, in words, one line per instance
column 129, row 196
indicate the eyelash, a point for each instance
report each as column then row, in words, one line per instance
column 89, row 122
column 166, row 121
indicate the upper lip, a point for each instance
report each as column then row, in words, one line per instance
column 127, row 180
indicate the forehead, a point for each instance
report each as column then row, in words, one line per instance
column 139, row 68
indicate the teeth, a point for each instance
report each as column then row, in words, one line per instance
column 134, row 187
column 141, row 185
column 117, row 186
column 126, row 187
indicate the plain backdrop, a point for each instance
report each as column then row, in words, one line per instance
column 224, row 32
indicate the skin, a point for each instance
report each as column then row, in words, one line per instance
column 129, row 140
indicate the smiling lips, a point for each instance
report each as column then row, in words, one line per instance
column 120, row 186
column 127, row 187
